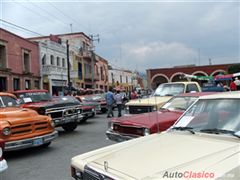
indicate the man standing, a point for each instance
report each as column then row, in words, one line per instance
column 110, row 101
column 119, row 100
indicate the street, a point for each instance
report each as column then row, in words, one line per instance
column 53, row 163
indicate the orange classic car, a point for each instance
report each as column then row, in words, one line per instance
column 22, row 128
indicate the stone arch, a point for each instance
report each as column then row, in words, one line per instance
column 214, row 73
column 200, row 73
column 158, row 79
column 177, row 77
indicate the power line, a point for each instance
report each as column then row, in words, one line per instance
column 34, row 4
column 20, row 27
column 35, row 12
column 65, row 15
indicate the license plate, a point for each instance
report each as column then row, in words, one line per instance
column 37, row 142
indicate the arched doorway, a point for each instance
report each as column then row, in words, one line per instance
column 176, row 77
column 200, row 73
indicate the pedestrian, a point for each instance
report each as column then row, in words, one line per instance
column 237, row 82
column 110, row 101
column 133, row 94
column 119, row 100
column 233, row 86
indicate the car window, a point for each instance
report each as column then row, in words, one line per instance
column 7, row 101
column 192, row 88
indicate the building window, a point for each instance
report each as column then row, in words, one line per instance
column 58, row 61
column 26, row 61
column 16, row 84
column 52, row 60
column 36, row 84
column 3, row 56
column 80, row 71
column 3, row 84
column 101, row 72
column 120, row 78
column 63, row 62
column 126, row 79
column 27, row 84
column 44, row 59
column 112, row 77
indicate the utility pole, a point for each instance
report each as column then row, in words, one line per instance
column 92, row 48
column 68, row 68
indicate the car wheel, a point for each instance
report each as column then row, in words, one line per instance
column 84, row 119
column 69, row 126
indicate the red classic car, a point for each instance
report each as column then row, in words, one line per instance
column 95, row 98
column 64, row 114
column 136, row 125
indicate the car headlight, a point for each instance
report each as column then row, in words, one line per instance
column 93, row 110
column 146, row 132
column 154, row 108
column 78, row 111
column 52, row 123
column 77, row 174
column 110, row 125
column 127, row 108
column 6, row 131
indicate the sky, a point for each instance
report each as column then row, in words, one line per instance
column 137, row 35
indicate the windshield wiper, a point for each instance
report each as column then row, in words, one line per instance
column 181, row 128
column 220, row 131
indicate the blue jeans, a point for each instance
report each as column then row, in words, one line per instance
column 110, row 111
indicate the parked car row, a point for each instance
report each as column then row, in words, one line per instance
column 28, row 118
column 202, row 142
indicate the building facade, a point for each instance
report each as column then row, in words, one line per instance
column 162, row 75
column 19, row 63
column 123, row 79
column 101, row 73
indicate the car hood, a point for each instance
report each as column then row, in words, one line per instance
column 152, row 156
column 14, row 115
column 156, row 100
column 148, row 119
column 50, row 104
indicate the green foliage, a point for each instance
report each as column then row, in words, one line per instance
column 234, row 69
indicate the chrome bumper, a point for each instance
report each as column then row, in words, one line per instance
column 118, row 137
column 65, row 120
column 3, row 165
column 31, row 142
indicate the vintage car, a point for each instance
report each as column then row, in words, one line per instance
column 3, row 162
column 203, row 144
column 64, row 114
column 96, row 105
column 87, row 111
column 23, row 128
column 136, row 125
column 162, row 94
column 95, row 98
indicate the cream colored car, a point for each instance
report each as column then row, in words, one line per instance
column 162, row 94
column 203, row 144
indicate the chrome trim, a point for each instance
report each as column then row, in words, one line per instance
column 119, row 137
column 27, row 143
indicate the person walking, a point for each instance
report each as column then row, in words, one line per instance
column 233, row 86
column 119, row 100
column 110, row 101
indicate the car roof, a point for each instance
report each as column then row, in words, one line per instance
column 223, row 95
column 7, row 94
column 33, row 90
column 182, row 82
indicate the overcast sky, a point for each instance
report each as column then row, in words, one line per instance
column 138, row 35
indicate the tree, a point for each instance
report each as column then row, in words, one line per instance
column 234, row 69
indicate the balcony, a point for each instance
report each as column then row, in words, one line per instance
column 53, row 70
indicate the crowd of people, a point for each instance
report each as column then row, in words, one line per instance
column 119, row 98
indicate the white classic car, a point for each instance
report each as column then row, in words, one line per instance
column 203, row 144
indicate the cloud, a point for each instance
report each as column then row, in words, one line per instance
column 157, row 54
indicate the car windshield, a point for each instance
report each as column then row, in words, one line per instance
column 212, row 116
column 179, row 103
column 169, row 90
column 94, row 98
column 7, row 101
column 35, row 97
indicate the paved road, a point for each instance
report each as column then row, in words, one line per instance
column 53, row 163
